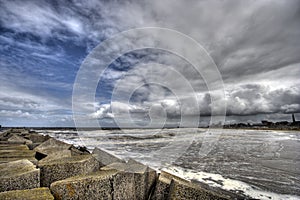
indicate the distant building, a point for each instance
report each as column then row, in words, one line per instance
column 282, row 123
column 266, row 123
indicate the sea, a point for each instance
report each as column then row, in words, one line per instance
column 259, row 164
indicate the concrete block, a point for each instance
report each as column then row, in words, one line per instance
column 97, row 185
column 105, row 158
column 62, row 168
column 13, row 147
column 134, row 181
column 56, row 155
column 38, row 138
column 31, row 194
column 5, row 135
column 189, row 191
column 162, row 186
column 13, row 152
column 33, row 145
column 79, row 151
column 18, row 175
column 16, row 138
column 51, row 146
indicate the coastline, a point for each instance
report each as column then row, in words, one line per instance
column 57, row 170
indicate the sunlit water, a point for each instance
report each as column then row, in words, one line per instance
column 260, row 164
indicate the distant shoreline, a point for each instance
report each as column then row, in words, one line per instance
column 116, row 128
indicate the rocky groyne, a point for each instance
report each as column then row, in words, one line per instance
column 34, row 166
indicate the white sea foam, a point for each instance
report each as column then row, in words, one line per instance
column 268, row 142
column 217, row 180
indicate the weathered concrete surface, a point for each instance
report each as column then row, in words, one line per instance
column 16, row 138
column 188, row 191
column 19, row 130
column 62, row 168
column 11, row 142
column 37, row 138
column 75, row 151
column 32, row 194
column 51, row 146
column 13, row 152
column 162, row 186
column 5, row 135
column 56, row 155
column 19, row 147
column 18, row 175
column 105, row 158
column 33, row 145
column 97, row 185
column 134, row 181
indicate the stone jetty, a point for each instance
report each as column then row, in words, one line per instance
column 34, row 166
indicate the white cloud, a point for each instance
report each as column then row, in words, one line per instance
column 102, row 112
column 254, row 43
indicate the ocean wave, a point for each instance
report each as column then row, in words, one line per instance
column 218, row 181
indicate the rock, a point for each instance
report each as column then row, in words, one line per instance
column 186, row 190
column 18, row 175
column 61, row 168
column 32, row 194
column 97, row 185
column 16, row 138
column 51, row 146
column 134, row 181
column 105, row 158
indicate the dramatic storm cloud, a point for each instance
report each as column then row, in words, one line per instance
column 255, row 45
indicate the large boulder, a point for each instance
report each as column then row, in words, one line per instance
column 19, row 175
column 31, row 194
column 105, row 158
column 134, row 181
column 62, row 168
column 97, row 185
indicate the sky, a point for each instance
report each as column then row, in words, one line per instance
column 44, row 44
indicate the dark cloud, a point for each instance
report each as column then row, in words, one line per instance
column 255, row 45
column 256, row 99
